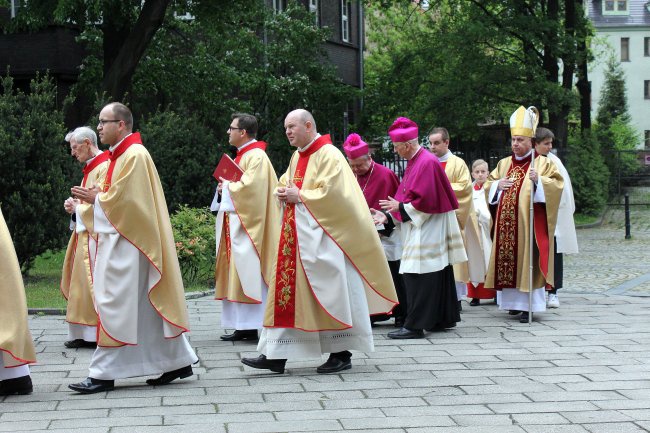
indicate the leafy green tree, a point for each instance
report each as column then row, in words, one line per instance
column 589, row 173
column 460, row 64
column 185, row 153
column 35, row 168
column 614, row 129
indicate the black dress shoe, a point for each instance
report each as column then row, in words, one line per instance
column 16, row 386
column 170, row 376
column 92, row 386
column 475, row 302
column 263, row 363
column 238, row 335
column 524, row 317
column 514, row 312
column 334, row 365
column 460, row 306
column 79, row 343
column 404, row 334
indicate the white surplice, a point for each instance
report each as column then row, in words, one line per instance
column 12, row 372
column 122, row 275
column 239, row 315
column 325, row 265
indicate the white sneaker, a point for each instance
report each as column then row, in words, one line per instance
column 553, row 301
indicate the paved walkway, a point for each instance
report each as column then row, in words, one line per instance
column 582, row 368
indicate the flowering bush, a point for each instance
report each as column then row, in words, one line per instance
column 195, row 244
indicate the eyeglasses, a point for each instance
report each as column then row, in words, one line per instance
column 103, row 122
column 232, row 128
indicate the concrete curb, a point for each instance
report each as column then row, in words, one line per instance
column 62, row 311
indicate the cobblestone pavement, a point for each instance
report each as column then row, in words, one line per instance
column 584, row 367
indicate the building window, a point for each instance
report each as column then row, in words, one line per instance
column 615, row 7
column 313, row 8
column 646, row 89
column 346, row 12
column 647, row 139
column 625, row 49
column 646, row 47
column 279, row 6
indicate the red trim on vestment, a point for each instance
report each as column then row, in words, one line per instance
column 242, row 152
column 121, row 148
column 102, row 157
column 443, row 164
column 541, row 235
column 149, row 289
column 25, row 361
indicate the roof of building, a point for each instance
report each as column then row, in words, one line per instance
column 638, row 16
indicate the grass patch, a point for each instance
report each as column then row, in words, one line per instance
column 581, row 219
column 42, row 285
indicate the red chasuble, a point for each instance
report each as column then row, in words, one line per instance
column 285, row 287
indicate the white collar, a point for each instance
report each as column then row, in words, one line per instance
column 112, row 148
column 521, row 158
column 310, row 143
column 246, row 144
column 445, row 157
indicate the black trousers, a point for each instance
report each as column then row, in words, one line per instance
column 558, row 262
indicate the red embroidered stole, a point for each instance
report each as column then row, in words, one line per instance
column 443, row 164
column 285, row 274
column 478, row 187
column 256, row 145
column 93, row 164
column 123, row 146
column 505, row 234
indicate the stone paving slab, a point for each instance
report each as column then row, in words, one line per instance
column 584, row 367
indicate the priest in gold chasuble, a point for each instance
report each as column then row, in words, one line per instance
column 509, row 190
column 473, row 270
column 16, row 345
column 247, row 232
column 76, row 276
column 137, row 281
column 331, row 272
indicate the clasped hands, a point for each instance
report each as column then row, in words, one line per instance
column 84, row 194
column 289, row 193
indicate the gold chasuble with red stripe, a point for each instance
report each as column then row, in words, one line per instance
column 16, row 345
column 509, row 261
column 134, row 203
column 259, row 213
column 331, row 195
column 76, row 276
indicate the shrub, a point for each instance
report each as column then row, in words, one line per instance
column 36, row 168
column 195, row 243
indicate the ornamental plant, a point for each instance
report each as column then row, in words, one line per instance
column 194, row 237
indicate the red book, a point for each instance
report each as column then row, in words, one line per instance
column 228, row 169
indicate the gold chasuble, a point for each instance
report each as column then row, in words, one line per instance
column 509, row 261
column 259, row 212
column 461, row 182
column 16, row 345
column 76, row 277
column 331, row 195
column 134, row 203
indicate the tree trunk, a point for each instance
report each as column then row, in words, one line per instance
column 583, row 85
column 123, row 49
